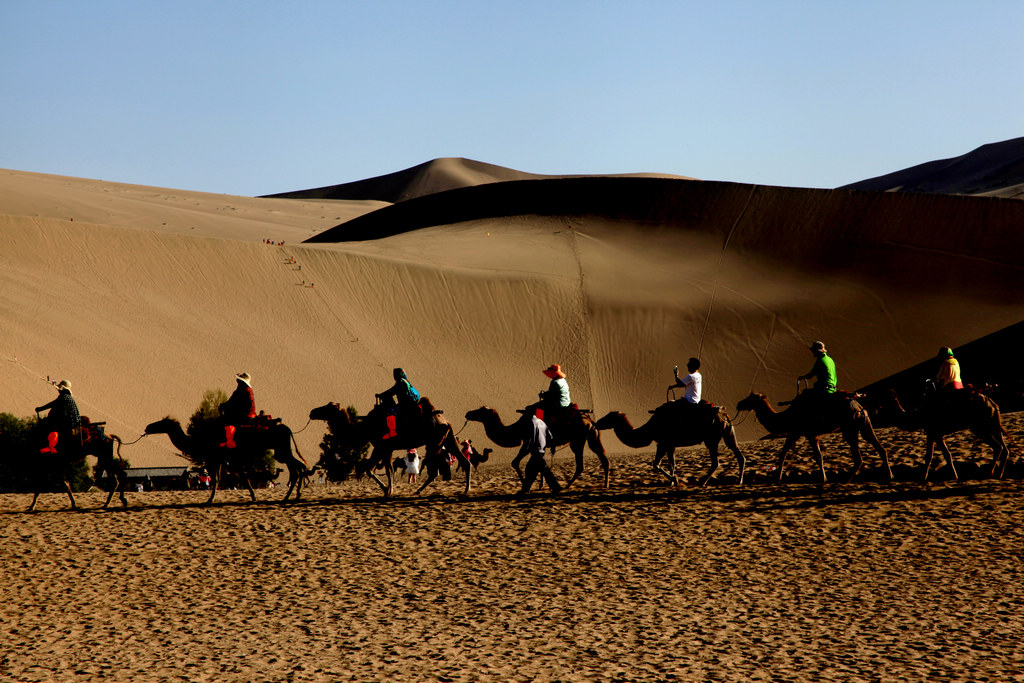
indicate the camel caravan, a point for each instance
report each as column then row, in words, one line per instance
column 238, row 439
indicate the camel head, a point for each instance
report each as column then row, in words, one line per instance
column 481, row 414
column 751, row 402
column 610, row 420
column 328, row 412
column 164, row 426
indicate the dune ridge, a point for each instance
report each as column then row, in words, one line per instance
column 995, row 170
column 438, row 175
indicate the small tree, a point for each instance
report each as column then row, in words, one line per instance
column 339, row 461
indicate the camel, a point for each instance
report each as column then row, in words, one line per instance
column 848, row 416
column 955, row 411
column 98, row 444
column 210, row 451
column 578, row 431
column 432, row 431
column 669, row 429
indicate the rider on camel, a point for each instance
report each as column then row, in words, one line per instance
column 691, row 383
column 949, row 371
column 240, row 408
column 555, row 401
column 63, row 417
column 403, row 391
column 823, row 372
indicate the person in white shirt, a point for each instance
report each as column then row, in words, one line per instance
column 690, row 383
column 536, row 442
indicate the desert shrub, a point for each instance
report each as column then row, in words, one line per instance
column 340, row 462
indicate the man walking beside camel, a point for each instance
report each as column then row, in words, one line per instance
column 537, row 440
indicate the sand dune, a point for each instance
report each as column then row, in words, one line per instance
column 994, row 170
column 144, row 315
column 428, row 178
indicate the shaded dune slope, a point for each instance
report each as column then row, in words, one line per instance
column 423, row 179
column 995, row 169
column 439, row 175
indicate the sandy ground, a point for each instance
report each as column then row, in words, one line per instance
column 867, row 581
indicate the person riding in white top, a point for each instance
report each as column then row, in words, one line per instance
column 691, row 382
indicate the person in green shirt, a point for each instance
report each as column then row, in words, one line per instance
column 823, row 372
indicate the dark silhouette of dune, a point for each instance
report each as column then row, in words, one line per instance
column 825, row 231
column 427, row 178
column 996, row 169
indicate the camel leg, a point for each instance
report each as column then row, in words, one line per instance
column 949, row 458
column 790, row 440
column 858, row 458
column 930, row 453
column 430, row 456
column 292, row 479
column 594, row 441
column 464, row 462
column 816, row 447
column 662, row 452
column 730, row 442
column 389, row 469
column 1006, row 461
column 431, row 476
column 515, row 465
column 999, row 452
column 712, row 446
column 869, row 435
column 214, row 483
column 577, row 450
column 32, row 507
column 71, row 496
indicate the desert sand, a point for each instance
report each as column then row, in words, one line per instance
column 868, row 581
column 146, row 297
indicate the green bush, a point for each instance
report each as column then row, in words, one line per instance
column 342, row 463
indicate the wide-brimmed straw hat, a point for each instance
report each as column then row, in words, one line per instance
column 244, row 378
column 554, row 370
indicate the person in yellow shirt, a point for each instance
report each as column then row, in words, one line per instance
column 949, row 371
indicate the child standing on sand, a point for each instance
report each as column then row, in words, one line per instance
column 412, row 465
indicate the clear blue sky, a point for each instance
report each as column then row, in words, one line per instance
column 258, row 97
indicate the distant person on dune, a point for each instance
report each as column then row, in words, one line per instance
column 949, row 371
